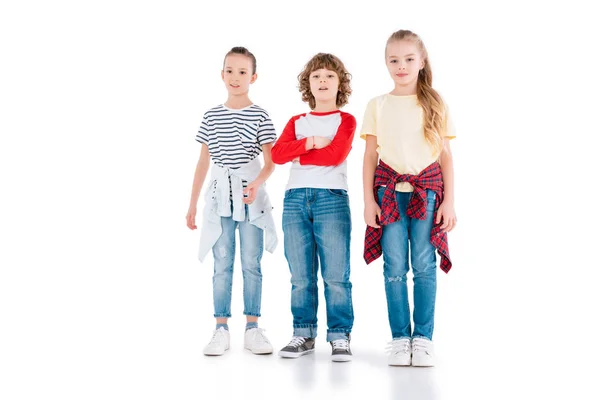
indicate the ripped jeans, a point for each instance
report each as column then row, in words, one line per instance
column 251, row 246
column 395, row 243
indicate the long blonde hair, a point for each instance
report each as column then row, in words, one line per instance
column 434, row 110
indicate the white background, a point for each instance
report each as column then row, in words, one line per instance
column 101, row 293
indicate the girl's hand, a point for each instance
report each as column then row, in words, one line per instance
column 191, row 218
column 250, row 192
column 446, row 213
column 372, row 210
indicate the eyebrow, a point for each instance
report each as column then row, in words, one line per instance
column 408, row 55
column 243, row 69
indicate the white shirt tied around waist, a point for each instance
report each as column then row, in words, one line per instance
column 219, row 204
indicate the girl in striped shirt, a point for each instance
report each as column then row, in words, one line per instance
column 233, row 135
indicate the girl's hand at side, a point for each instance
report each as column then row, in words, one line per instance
column 250, row 192
column 372, row 210
column 191, row 218
column 447, row 215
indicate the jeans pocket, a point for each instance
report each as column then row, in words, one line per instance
column 338, row 192
column 288, row 193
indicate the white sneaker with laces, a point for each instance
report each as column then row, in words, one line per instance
column 218, row 344
column 256, row 341
column 399, row 352
column 422, row 350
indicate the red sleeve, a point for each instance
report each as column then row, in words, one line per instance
column 338, row 149
column 286, row 148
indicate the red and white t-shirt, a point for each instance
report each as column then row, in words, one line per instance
column 317, row 168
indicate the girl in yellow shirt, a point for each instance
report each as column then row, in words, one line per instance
column 407, row 133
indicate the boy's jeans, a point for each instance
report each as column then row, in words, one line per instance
column 316, row 227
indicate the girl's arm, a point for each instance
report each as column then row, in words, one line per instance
column 339, row 148
column 446, row 211
column 287, row 147
column 199, row 176
column 370, row 160
column 264, row 174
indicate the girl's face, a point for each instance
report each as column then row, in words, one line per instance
column 237, row 74
column 404, row 61
column 324, row 85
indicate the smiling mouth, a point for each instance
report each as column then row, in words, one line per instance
column 235, row 86
column 323, row 89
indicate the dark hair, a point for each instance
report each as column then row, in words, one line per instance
column 243, row 51
column 330, row 62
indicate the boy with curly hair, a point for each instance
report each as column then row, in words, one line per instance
column 316, row 211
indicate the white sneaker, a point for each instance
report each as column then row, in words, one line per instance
column 218, row 344
column 256, row 341
column 399, row 352
column 422, row 350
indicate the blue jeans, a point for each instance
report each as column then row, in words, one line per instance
column 251, row 244
column 395, row 244
column 316, row 228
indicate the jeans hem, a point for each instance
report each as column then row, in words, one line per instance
column 252, row 314
column 338, row 334
column 421, row 337
column 304, row 330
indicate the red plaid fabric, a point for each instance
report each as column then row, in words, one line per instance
column 429, row 178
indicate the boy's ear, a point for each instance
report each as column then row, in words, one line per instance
column 222, row 74
column 254, row 78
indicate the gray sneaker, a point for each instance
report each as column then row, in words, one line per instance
column 297, row 347
column 340, row 350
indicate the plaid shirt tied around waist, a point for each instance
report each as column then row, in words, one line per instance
column 429, row 178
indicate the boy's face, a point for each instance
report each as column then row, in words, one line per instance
column 404, row 61
column 237, row 74
column 324, row 85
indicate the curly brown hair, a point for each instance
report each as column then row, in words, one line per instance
column 332, row 63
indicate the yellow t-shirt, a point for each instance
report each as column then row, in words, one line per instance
column 397, row 121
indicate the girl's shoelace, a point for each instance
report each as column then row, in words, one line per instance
column 398, row 346
column 217, row 335
column 260, row 336
column 419, row 345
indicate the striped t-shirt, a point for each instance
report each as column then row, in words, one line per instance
column 235, row 136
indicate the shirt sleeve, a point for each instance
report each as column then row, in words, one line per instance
column 287, row 147
column 203, row 131
column 338, row 149
column 266, row 131
column 450, row 128
column 369, row 124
